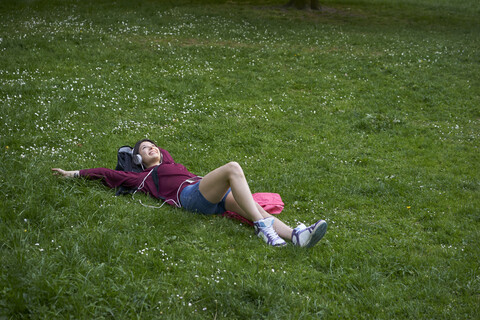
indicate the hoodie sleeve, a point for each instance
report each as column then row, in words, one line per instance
column 112, row 178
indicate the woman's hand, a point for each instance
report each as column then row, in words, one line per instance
column 66, row 174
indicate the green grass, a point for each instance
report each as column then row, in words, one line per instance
column 366, row 114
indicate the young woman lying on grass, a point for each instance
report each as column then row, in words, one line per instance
column 223, row 189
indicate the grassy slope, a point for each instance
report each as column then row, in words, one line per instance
column 365, row 115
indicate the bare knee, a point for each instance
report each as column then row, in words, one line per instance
column 234, row 169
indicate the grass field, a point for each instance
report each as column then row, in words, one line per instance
column 366, row 114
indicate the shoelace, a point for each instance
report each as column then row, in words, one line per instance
column 271, row 234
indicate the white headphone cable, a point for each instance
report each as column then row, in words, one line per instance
column 177, row 204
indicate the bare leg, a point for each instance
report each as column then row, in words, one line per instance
column 281, row 228
column 215, row 185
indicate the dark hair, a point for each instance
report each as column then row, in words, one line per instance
column 137, row 145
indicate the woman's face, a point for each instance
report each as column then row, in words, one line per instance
column 151, row 155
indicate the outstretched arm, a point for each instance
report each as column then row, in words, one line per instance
column 66, row 174
column 111, row 178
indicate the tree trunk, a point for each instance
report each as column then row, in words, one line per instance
column 304, row 4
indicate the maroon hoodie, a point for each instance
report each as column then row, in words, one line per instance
column 169, row 176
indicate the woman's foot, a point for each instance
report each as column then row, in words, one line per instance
column 264, row 229
column 304, row 236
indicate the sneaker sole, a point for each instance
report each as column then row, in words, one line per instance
column 318, row 234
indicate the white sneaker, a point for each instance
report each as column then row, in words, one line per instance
column 304, row 236
column 264, row 229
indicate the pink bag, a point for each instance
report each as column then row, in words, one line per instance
column 270, row 202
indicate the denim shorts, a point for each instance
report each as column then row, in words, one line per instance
column 192, row 200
